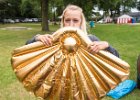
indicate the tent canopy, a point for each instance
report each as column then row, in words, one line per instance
column 125, row 16
column 124, row 19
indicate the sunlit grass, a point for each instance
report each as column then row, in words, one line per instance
column 125, row 38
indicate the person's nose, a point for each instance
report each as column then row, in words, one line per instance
column 71, row 23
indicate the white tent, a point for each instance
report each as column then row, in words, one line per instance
column 124, row 19
column 108, row 19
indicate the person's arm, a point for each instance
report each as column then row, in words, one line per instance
column 109, row 48
column 46, row 39
column 32, row 40
column 113, row 51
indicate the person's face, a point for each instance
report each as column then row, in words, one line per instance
column 72, row 18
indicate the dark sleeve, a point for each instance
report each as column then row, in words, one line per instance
column 93, row 38
column 109, row 49
column 113, row 51
column 31, row 40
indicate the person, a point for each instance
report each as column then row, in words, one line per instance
column 138, row 72
column 92, row 24
column 73, row 16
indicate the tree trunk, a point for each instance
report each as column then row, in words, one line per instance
column 44, row 12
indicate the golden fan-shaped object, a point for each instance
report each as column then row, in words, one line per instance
column 66, row 70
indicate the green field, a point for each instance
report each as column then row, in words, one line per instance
column 125, row 38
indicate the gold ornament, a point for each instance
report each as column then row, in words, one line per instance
column 66, row 70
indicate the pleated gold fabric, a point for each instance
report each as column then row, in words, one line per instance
column 66, row 70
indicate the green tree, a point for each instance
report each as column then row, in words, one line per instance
column 138, row 5
column 86, row 5
column 108, row 6
column 30, row 8
column 2, row 8
column 27, row 9
column 44, row 10
column 128, row 4
column 10, row 8
column 36, row 8
column 114, row 7
column 56, row 9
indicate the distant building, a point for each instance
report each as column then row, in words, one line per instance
column 108, row 19
column 135, row 15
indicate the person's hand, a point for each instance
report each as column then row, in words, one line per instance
column 96, row 46
column 46, row 39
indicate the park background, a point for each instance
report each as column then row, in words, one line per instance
column 23, row 26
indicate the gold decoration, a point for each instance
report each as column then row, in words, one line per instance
column 66, row 70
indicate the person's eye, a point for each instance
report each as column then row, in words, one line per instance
column 67, row 20
column 75, row 20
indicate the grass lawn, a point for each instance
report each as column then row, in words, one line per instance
column 125, row 38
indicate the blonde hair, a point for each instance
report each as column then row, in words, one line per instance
column 74, row 7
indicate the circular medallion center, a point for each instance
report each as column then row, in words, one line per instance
column 70, row 44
